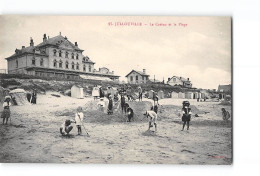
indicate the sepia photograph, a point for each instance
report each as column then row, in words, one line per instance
column 116, row 89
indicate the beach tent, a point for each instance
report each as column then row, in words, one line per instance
column 77, row 91
column 199, row 95
column 160, row 94
column 19, row 96
column 174, row 95
column 151, row 94
column 181, row 95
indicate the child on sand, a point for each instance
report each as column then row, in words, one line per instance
column 186, row 110
column 6, row 112
column 78, row 119
column 152, row 117
column 66, row 127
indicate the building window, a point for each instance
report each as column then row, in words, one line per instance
column 89, row 68
column 136, row 78
column 77, row 66
column 54, row 53
column 41, row 62
column 72, row 56
column 77, row 56
column 84, row 68
column 67, row 64
column 83, row 60
column 60, row 53
column 55, row 63
column 73, row 65
column 131, row 78
column 66, row 54
column 33, row 61
column 60, row 64
column 16, row 63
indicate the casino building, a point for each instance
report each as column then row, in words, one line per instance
column 55, row 57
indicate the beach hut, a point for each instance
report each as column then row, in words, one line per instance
column 174, row 95
column 181, row 95
column 199, row 95
column 195, row 95
column 19, row 97
column 95, row 91
column 202, row 95
column 160, row 94
column 151, row 94
column 188, row 95
column 77, row 91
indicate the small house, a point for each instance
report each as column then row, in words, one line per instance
column 77, row 91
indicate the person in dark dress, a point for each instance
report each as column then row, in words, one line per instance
column 34, row 97
column 186, row 110
column 110, row 105
column 6, row 112
column 122, row 102
column 130, row 114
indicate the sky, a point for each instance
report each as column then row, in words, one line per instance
column 198, row 48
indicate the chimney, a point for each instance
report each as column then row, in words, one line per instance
column 48, row 37
column 188, row 79
column 169, row 79
column 144, row 71
column 31, row 42
column 66, row 38
column 23, row 47
column 76, row 43
column 60, row 33
column 44, row 38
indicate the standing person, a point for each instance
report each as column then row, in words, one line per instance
column 34, row 97
column 6, row 112
column 101, row 92
column 110, row 105
column 122, row 102
column 79, row 119
column 152, row 119
column 186, row 110
column 140, row 91
column 66, row 127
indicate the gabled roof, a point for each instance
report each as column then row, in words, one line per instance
column 225, row 88
column 139, row 72
column 57, row 40
column 29, row 49
column 180, row 78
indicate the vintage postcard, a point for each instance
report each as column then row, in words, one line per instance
column 116, row 89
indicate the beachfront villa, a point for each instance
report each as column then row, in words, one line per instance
column 55, row 57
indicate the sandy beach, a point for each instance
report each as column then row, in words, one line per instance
column 33, row 135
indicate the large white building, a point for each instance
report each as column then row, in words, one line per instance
column 55, row 57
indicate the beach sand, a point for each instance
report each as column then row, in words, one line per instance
column 33, row 135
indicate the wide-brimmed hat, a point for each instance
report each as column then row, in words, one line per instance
column 7, row 97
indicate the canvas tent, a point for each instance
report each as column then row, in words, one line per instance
column 181, row 95
column 174, row 95
column 19, row 96
column 77, row 91
column 160, row 94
